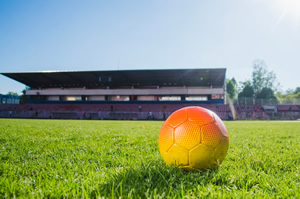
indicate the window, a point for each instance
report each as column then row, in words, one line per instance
column 170, row 98
column 196, row 98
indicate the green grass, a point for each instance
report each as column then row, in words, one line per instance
column 91, row 159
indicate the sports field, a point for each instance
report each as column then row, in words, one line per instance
column 109, row 159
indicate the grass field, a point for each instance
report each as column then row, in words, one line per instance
column 81, row 159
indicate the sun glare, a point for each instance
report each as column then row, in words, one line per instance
column 290, row 7
column 289, row 11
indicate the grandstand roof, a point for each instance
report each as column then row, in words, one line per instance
column 121, row 78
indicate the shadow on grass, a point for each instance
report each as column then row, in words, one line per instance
column 154, row 179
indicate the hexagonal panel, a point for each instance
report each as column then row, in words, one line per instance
column 177, row 118
column 166, row 137
column 202, row 157
column 188, row 135
column 200, row 115
column 221, row 149
column 221, row 125
column 211, row 135
column 176, row 156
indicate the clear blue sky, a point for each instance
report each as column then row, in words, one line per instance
column 150, row 34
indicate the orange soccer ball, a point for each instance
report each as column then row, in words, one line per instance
column 193, row 138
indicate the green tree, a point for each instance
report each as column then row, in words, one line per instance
column 247, row 90
column 290, row 96
column 266, row 93
column 262, row 78
column 10, row 93
column 231, row 87
column 297, row 90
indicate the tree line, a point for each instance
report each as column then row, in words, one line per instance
column 262, row 85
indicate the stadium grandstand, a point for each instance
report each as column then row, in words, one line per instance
column 130, row 95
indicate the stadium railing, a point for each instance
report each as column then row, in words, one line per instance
column 142, row 111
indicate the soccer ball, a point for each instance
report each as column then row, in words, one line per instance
column 193, row 138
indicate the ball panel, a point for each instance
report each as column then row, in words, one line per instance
column 177, row 118
column 221, row 125
column 166, row 137
column 200, row 116
column 202, row 157
column 188, row 135
column 176, row 156
column 211, row 135
column 221, row 149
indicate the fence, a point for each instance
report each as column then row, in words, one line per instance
column 254, row 101
column 94, row 115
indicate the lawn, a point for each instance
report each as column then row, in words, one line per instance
column 109, row 159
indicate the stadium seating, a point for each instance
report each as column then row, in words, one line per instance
column 139, row 111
